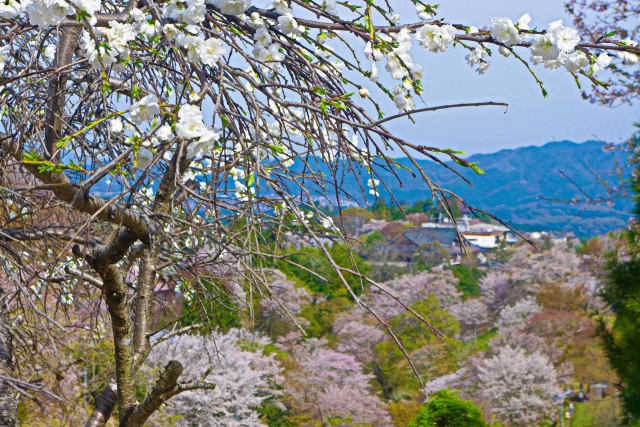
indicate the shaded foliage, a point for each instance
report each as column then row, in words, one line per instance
column 446, row 409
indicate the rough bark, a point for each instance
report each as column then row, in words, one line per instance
column 8, row 394
column 104, row 406
column 57, row 86
column 143, row 304
column 165, row 387
column 116, row 297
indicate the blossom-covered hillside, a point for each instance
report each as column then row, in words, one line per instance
column 312, row 356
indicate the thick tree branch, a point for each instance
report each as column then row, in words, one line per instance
column 75, row 195
column 57, row 87
column 104, row 406
column 164, row 388
column 143, row 303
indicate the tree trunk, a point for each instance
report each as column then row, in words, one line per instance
column 8, row 394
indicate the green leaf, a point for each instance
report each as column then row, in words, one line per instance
column 319, row 91
column 276, row 148
column 323, row 107
column 476, row 169
column 63, row 141
column 450, row 151
column 225, row 121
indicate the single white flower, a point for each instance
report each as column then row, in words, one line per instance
column 47, row 13
column 50, row 52
column 476, row 56
column 281, row 7
column 171, row 31
column 327, row 222
column 97, row 54
column 601, row 63
column 144, row 158
column 402, row 101
column 91, row 7
column 10, row 9
column 575, row 61
column 149, row 28
column 330, row 7
column 288, row 25
column 190, row 122
column 232, row 7
column 523, row 22
column 262, row 37
column 373, row 54
column 436, row 38
column 144, row 110
column 119, row 35
column 137, row 14
column 565, row 38
column 422, row 13
column 115, row 125
column 191, row 126
column 210, row 51
column 629, row 58
column 554, row 64
column 503, row 30
column 373, row 76
column 164, row 133
column 364, row 92
column 3, row 56
column 256, row 21
column 479, row 57
column 544, row 47
column 504, row 51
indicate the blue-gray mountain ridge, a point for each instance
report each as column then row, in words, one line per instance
column 525, row 186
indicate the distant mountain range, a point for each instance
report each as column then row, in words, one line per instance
column 524, row 186
column 519, row 187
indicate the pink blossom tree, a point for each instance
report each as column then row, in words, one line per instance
column 234, row 362
column 518, row 386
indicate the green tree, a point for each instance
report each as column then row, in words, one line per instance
column 379, row 208
column 446, row 409
column 622, row 292
column 421, row 206
column 431, row 356
column 468, row 279
column 622, row 340
column 310, row 260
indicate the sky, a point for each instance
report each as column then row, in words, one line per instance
column 530, row 119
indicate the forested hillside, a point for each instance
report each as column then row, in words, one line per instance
column 507, row 336
column 525, row 186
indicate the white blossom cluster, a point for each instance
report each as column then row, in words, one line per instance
column 516, row 316
column 519, row 386
column 243, row 375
